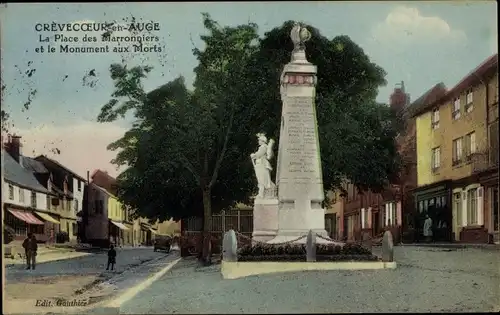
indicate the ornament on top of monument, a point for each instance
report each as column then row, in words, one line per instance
column 299, row 35
column 262, row 166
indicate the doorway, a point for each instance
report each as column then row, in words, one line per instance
column 376, row 223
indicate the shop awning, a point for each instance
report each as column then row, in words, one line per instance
column 119, row 225
column 153, row 231
column 47, row 217
column 27, row 217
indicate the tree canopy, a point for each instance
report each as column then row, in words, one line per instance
column 188, row 151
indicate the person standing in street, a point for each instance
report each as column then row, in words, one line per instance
column 111, row 257
column 428, row 228
column 30, row 249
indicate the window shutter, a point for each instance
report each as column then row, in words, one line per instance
column 480, row 210
column 369, row 219
column 464, row 208
column 363, row 218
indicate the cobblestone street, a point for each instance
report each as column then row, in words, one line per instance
column 426, row 280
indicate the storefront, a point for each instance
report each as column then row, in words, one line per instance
column 434, row 201
column 51, row 226
column 146, row 234
column 489, row 182
column 116, row 232
column 21, row 222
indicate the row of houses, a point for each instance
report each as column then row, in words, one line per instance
column 450, row 153
column 44, row 197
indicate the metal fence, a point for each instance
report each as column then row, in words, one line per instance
column 240, row 220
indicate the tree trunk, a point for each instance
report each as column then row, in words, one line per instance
column 207, row 226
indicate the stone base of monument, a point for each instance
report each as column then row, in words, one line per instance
column 235, row 270
column 265, row 219
column 259, row 259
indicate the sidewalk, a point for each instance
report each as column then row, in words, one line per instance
column 46, row 255
column 88, row 291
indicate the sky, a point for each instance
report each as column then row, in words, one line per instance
column 420, row 43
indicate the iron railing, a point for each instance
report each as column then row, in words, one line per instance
column 484, row 161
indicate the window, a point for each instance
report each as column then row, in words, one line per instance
column 76, row 205
column 457, row 151
column 435, row 119
column 390, row 214
column 364, row 218
column 33, row 199
column 21, row 195
column 470, row 145
column 436, row 158
column 456, row 109
column 75, row 229
column 79, row 185
column 469, row 101
column 11, row 192
column 472, row 207
column 457, row 204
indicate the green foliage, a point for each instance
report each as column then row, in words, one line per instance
column 182, row 143
column 186, row 143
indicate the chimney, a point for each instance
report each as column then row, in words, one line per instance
column 14, row 147
column 399, row 98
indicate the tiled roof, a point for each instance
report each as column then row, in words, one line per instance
column 16, row 174
column 475, row 76
column 43, row 157
column 34, row 166
column 424, row 102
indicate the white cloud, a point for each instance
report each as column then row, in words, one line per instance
column 406, row 25
column 82, row 146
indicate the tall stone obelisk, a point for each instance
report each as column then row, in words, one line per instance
column 299, row 177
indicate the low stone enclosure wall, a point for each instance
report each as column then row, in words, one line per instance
column 260, row 258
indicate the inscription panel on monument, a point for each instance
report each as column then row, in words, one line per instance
column 302, row 147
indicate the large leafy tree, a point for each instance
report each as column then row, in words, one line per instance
column 188, row 150
column 183, row 151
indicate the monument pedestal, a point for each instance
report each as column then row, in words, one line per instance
column 265, row 219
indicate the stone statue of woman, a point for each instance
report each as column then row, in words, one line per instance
column 262, row 166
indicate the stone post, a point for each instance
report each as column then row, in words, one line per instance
column 311, row 246
column 387, row 247
column 230, row 247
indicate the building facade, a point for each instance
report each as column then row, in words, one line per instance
column 334, row 214
column 117, row 216
column 23, row 197
column 69, row 187
column 372, row 213
column 96, row 219
column 23, row 173
column 485, row 163
column 450, row 132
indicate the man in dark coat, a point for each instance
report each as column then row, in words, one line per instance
column 111, row 257
column 30, row 248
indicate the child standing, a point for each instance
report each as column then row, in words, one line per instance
column 111, row 257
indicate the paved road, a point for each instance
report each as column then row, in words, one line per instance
column 86, row 265
column 426, row 280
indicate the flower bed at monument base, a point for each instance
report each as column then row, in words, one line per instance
column 297, row 253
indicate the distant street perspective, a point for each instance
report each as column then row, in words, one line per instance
column 82, row 278
column 234, row 158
